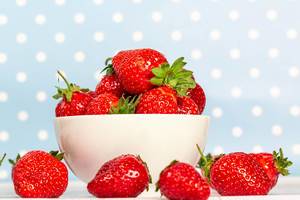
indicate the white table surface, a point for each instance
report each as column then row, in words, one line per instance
column 286, row 189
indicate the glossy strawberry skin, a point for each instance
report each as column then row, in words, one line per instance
column 161, row 100
column 182, row 181
column 101, row 104
column 133, row 68
column 266, row 160
column 239, row 174
column 109, row 84
column 124, row 176
column 198, row 95
column 187, row 106
column 39, row 175
column 77, row 105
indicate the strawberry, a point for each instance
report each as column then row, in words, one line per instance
column 39, row 174
column 161, row 100
column 273, row 164
column 198, row 95
column 186, row 105
column 235, row 174
column 101, row 104
column 124, row 176
column 133, row 68
column 182, row 181
column 109, row 83
column 93, row 94
column 74, row 99
column 2, row 158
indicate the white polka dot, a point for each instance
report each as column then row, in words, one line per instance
column 23, row 116
column 234, row 15
column 218, row 150
column 137, row 36
column 40, row 19
column 21, row 77
column 237, row 131
column 275, row 92
column 137, row 1
column 3, row 174
column 23, row 152
column 57, row 76
column 157, row 16
column 3, row 58
column 292, row 34
column 99, row 36
column 254, row 72
column 257, row 111
column 98, row 2
column 216, row 73
column 215, row 35
column 295, row 110
column 59, row 38
column 40, row 56
column 273, row 53
column 196, row 54
column 217, row 112
column 235, row 54
column 257, row 149
column 21, row 3
column 296, row 149
column 294, row 72
column 3, row 20
column 79, row 56
column 42, row 135
column 3, row 96
column 118, row 17
column 253, row 34
column 195, row 16
column 21, row 38
column 79, row 18
column 60, row 2
column 277, row 130
column 176, row 35
column 272, row 15
column 41, row 96
column 4, row 136
column 236, row 92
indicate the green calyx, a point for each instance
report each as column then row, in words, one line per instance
column 281, row 162
column 13, row 162
column 56, row 154
column 125, row 105
column 174, row 76
column 2, row 159
column 108, row 69
column 67, row 92
column 205, row 162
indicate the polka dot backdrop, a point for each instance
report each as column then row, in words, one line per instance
column 244, row 54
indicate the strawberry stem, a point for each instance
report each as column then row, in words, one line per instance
column 125, row 105
column 64, row 78
column 281, row 162
column 56, row 154
column 2, row 159
column 13, row 162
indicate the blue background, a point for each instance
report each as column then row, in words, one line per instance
column 245, row 54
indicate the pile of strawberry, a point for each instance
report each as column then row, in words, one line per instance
column 39, row 174
column 137, row 81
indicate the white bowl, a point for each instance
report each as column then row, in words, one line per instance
column 89, row 141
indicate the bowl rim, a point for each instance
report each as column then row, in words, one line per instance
column 145, row 116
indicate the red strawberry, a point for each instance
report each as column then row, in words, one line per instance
column 182, row 181
column 186, row 105
column 133, row 68
column 236, row 174
column 92, row 93
column 39, row 175
column 74, row 99
column 101, row 104
column 198, row 95
column 273, row 164
column 109, row 83
column 124, row 176
column 161, row 100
